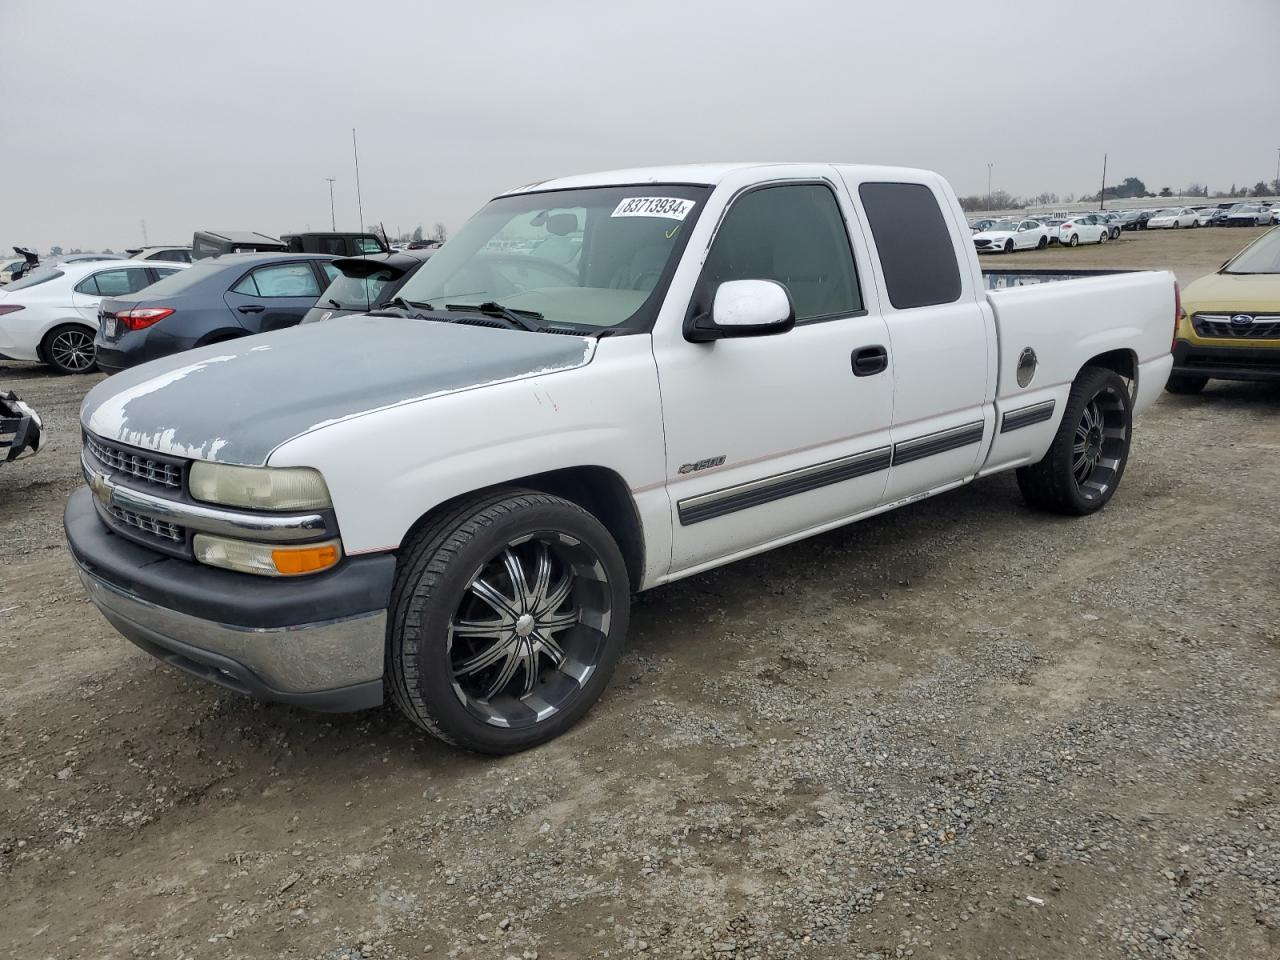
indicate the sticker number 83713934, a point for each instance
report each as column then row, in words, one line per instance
column 672, row 208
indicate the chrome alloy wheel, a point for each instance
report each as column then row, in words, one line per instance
column 529, row 630
column 72, row 349
column 1099, row 444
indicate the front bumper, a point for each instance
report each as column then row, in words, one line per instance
column 1226, row 363
column 316, row 642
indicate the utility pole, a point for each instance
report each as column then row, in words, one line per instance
column 989, row 166
column 333, row 217
column 1276, row 185
column 1102, row 194
column 144, row 233
column 356, row 154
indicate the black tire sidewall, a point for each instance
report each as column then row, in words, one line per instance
column 434, row 677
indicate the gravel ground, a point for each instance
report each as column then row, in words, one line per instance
column 959, row 730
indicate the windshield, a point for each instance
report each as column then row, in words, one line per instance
column 1261, row 256
column 1165, row 213
column 995, row 225
column 592, row 258
column 358, row 293
column 38, row 276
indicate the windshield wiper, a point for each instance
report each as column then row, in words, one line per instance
column 335, row 303
column 529, row 320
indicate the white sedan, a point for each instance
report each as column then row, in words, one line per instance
column 1173, row 218
column 1086, row 228
column 1006, row 236
column 51, row 315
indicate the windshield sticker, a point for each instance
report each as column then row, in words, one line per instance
column 672, row 208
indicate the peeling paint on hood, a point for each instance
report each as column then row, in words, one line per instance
column 236, row 402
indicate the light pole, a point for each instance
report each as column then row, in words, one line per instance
column 1276, row 186
column 989, row 166
column 333, row 219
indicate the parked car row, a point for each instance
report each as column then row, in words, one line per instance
column 76, row 317
column 1008, row 235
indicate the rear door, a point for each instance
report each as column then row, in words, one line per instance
column 941, row 335
column 274, row 295
column 113, row 282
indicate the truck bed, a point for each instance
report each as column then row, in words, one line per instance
column 1001, row 279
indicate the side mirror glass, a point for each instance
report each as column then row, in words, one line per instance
column 744, row 308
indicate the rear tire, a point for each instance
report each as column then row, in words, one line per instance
column 68, row 348
column 1086, row 460
column 1184, row 384
column 1075, row 240
column 508, row 616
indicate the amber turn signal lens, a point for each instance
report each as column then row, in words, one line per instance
column 292, row 561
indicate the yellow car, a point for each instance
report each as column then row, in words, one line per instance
column 1229, row 324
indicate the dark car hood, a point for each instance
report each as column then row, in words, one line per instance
column 235, row 402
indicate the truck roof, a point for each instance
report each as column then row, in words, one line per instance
column 708, row 174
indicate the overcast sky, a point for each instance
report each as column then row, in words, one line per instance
column 230, row 114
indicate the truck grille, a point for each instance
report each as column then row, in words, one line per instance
column 1261, row 326
column 160, row 529
column 150, row 468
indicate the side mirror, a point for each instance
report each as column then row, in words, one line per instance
column 744, row 308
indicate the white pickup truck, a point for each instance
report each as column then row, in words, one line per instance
column 601, row 384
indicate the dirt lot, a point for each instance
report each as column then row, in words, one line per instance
column 960, row 730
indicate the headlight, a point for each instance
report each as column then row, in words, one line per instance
column 266, row 559
column 259, row 488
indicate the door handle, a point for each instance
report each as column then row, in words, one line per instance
column 868, row 361
column 251, row 308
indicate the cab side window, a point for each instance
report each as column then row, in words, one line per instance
column 916, row 251
column 793, row 234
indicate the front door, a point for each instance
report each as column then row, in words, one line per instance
column 771, row 437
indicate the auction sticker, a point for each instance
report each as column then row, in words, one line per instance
column 672, row 208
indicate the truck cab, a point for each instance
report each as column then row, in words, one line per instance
column 601, row 384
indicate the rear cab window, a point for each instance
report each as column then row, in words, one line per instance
column 917, row 255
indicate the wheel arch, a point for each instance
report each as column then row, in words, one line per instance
column 1123, row 361
column 600, row 491
column 221, row 335
column 53, row 325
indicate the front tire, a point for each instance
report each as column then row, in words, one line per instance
column 1086, row 460
column 69, row 349
column 1103, row 237
column 1044, row 242
column 508, row 616
column 1008, row 246
column 1183, row 384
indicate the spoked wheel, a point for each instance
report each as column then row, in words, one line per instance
column 1087, row 458
column 516, row 650
column 507, row 618
column 1103, row 237
column 69, row 349
column 1075, row 240
column 1102, row 439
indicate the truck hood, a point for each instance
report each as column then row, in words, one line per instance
column 236, row 402
column 1259, row 292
